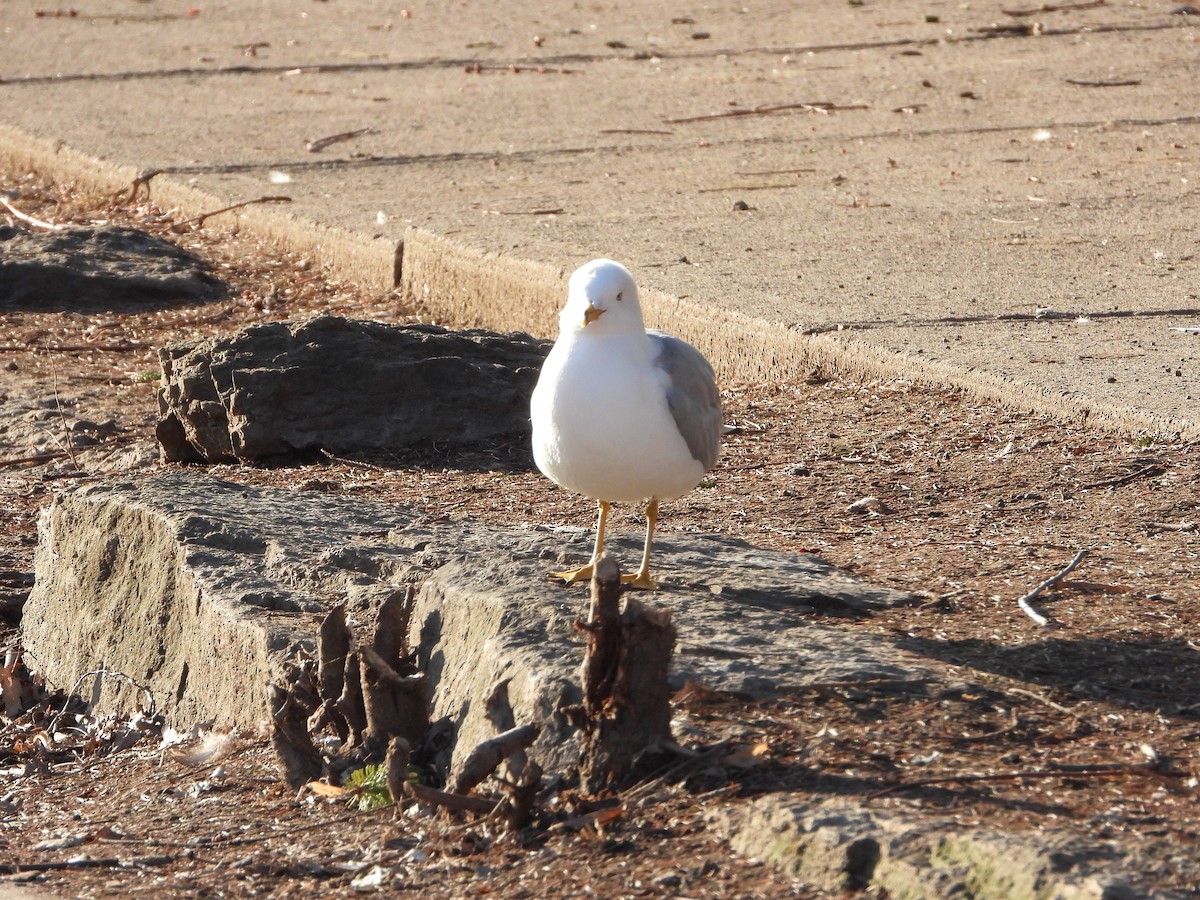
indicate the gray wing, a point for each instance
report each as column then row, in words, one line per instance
column 692, row 395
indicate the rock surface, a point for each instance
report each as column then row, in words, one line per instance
column 840, row 848
column 103, row 267
column 342, row 386
column 201, row 590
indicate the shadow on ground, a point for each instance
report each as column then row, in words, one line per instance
column 1151, row 675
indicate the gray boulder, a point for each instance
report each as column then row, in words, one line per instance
column 98, row 267
column 342, row 386
column 201, row 590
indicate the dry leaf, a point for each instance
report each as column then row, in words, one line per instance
column 748, row 757
column 323, row 789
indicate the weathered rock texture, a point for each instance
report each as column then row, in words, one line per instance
column 342, row 386
column 839, row 848
column 98, row 267
column 201, row 589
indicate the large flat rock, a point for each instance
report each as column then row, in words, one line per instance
column 202, row 589
column 840, row 848
column 343, row 386
column 98, row 267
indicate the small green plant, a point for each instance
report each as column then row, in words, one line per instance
column 147, row 377
column 368, row 788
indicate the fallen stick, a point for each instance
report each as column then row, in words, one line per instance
column 316, row 145
column 433, row 796
column 35, row 458
column 766, row 110
column 1149, row 471
column 85, row 863
column 485, row 758
column 1109, row 82
column 73, row 348
column 30, row 220
column 180, row 227
column 1054, row 7
column 1026, row 602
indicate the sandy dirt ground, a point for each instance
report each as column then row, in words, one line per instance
column 976, row 504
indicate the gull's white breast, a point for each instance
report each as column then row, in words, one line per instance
column 601, row 424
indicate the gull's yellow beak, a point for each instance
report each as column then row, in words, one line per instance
column 591, row 314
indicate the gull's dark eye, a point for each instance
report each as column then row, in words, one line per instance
column 619, row 296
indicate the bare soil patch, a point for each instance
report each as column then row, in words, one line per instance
column 977, row 503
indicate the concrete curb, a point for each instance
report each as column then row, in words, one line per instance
column 450, row 282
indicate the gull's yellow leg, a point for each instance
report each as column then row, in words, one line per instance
column 642, row 578
column 571, row 576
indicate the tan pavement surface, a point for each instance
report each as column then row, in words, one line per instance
column 944, row 189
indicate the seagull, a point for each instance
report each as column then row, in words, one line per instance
column 622, row 413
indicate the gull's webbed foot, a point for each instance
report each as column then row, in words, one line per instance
column 641, row 581
column 574, row 576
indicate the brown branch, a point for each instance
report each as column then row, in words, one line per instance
column 108, row 863
column 767, row 110
column 477, row 68
column 316, row 145
column 749, row 187
column 485, row 758
column 1054, row 7
column 73, row 348
column 1149, row 471
column 633, row 131
column 180, row 227
column 775, row 172
column 1026, row 602
column 1104, row 82
column 433, row 796
column 1102, row 771
column 35, row 458
column 30, row 220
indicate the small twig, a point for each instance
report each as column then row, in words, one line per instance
column 1173, row 526
column 1105, row 771
column 30, row 220
column 775, row 172
column 35, row 458
column 180, row 227
column 142, row 182
column 1150, row 471
column 478, row 68
column 67, row 448
column 749, row 187
column 316, row 145
column 73, row 348
column 486, row 758
column 152, row 707
column 1104, row 82
column 85, row 863
column 1040, row 699
column 767, row 110
column 1026, row 602
column 526, row 212
column 435, row 797
column 990, row 735
column 633, row 131
column 1054, row 7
